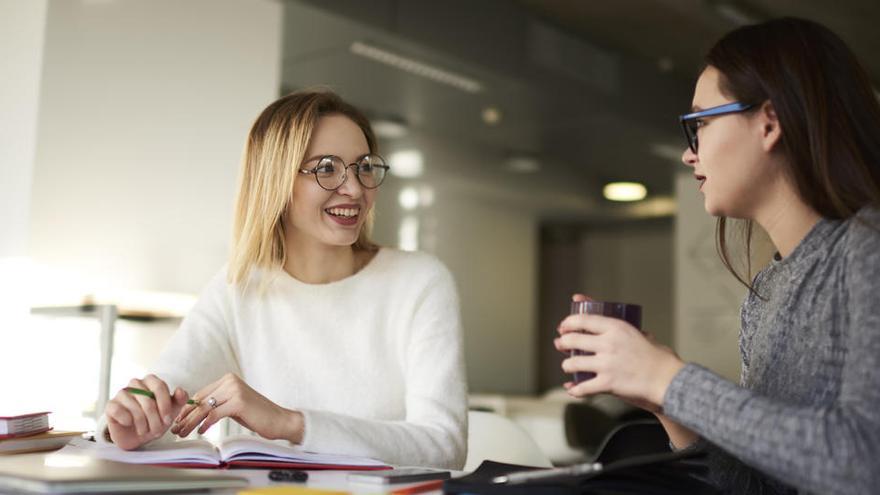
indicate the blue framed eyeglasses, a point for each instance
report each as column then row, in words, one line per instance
column 691, row 122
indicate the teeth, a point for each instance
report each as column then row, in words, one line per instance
column 343, row 212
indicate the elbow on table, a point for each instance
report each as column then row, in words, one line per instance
column 449, row 449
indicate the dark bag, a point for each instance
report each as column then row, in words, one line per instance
column 635, row 460
column 657, row 474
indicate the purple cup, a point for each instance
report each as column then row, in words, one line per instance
column 631, row 313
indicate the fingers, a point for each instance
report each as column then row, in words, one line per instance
column 596, row 324
column 193, row 414
column 192, row 419
column 178, row 400
column 189, row 417
column 118, row 414
column 133, row 407
column 596, row 385
column 216, row 414
column 580, row 298
column 576, row 341
column 163, row 398
column 148, row 405
column 586, row 362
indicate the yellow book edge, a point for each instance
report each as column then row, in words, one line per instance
column 290, row 490
column 41, row 442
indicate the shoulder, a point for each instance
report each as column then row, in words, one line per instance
column 862, row 238
column 220, row 290
column 410, row 263
column 412, row 272
column 861, row 248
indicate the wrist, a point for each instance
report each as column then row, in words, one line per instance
column 294, row 426
column 668, row 370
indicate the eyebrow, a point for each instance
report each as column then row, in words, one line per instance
column 316, row 157
column 322, row 155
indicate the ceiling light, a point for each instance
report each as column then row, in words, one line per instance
column 408, row 197
column 491, row 115
column 734, row 13
column 388, row 128
column 415, row 67
column 408, row 234
column 665, row 64
column 523, row 165
column 406, row 163
column 624, row 191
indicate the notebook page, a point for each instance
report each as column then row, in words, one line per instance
column 182, row 452
column 250, row 448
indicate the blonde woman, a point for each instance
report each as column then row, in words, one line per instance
column 313, row 334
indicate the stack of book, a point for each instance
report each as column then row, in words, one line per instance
column 31, row 433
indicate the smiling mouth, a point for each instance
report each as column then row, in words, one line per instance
column 343, row 212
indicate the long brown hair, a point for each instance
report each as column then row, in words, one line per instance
column 276, row 145
column 829, row 115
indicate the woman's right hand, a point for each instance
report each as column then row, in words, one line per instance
column 133, row 420
column 680, row 436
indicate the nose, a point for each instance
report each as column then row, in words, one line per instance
column 351, row 186
column 689, row 158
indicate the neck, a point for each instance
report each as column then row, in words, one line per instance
column 315, row 263
column 787, row 221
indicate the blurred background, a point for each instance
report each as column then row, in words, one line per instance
column 123, row 122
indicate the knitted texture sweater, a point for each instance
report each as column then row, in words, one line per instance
column 805, row 417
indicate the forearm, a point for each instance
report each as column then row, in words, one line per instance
column 826, row 450
column 679, row 436
column 439, row 443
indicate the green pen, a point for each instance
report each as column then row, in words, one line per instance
column 147, row 393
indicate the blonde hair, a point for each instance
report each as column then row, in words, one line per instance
column 276, row 146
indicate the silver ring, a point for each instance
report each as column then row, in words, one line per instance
column 212, row 402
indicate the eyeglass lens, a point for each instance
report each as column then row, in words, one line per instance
column 331, row 171
column 690, row 132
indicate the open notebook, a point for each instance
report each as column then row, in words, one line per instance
column 238, row 451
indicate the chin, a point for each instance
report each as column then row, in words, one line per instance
column 711, row 209
column 342, row 241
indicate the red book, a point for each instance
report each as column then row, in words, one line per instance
column 24, row 424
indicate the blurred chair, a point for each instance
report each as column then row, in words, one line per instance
column 589, row 424
column 497, row 438
column 635, row 438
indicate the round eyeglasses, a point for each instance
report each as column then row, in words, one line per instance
column 332, row 171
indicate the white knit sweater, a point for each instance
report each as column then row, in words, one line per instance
column 374, row 361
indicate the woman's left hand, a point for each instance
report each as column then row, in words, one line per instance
column 626, row 363
column 234, row 398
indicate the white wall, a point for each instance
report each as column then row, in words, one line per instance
column 138, row 112
column 22, row 27
column 492, row 250
column 707, row 296
column 488, row 239
column 144, row 111
column 632, row 262
column 623, row 260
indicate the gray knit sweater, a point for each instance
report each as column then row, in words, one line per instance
column 806, row 416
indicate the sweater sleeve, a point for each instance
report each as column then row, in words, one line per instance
column 201, row 350
column 831, row 449
column 434, row 431
column 198, row 353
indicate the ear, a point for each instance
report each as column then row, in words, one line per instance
column 771, row 131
